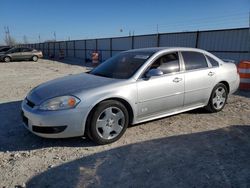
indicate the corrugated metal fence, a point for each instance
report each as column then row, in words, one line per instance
column 228, row 43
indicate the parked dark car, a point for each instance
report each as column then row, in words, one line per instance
column 4, row 49
column 20, row 53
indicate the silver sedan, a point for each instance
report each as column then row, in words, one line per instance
column 132, row 87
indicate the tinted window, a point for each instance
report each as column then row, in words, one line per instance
column 213, row 62
column 167, row 64
column 14, row 50
column 26, row 49
column 122, row 66
column 4, row 49
column 194, row 60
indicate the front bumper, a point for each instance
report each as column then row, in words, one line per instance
column 54, row 124
column 40, row 55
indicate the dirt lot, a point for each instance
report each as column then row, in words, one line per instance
column 193, row 149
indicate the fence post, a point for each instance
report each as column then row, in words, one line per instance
column 66, row 46
column 110, row 46
column 54, row 49
column 96, row 43
column 48, row 49
column 158, row 40
column 133, row 41
column 74, row 47
column 85, row 50
column 197, row 39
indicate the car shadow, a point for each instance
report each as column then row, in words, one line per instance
column 218, row 158
column 243, row 93
column 14, row 136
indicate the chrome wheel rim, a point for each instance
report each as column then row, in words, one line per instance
column 34, row 58
column 110, row 123
column 219, row 98
column 7, row 59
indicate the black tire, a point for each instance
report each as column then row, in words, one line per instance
column 211, row 107
column 35, row 58
column 92, row 130
column 7, row 59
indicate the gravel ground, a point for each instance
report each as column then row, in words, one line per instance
column 193, row 149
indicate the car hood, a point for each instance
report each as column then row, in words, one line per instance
column 67, row 86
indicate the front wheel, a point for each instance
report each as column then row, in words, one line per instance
column 108, row 122
column 34, row 58
column 7, row 59
column 218, row 98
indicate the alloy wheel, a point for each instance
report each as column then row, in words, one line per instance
column 110, row 123
column 219, row 98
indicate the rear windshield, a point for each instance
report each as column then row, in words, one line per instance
column 123, row 65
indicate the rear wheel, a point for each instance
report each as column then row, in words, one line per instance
column 7, row 59
column 108, row 122
column 218, row 98
column 34, row 58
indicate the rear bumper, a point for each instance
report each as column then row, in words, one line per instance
column 54, row 124
column 234, row 85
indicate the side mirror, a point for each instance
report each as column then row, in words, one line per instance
column 154, row 72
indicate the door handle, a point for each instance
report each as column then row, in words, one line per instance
column 176, row 80
column 211, row 73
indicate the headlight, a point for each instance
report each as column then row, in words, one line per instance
column 60, row 103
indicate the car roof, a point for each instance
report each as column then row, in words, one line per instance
column 2, row 47
column 158, row 49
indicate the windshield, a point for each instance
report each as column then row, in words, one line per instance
column 123, row 65
column 12, row 50
column 4, row 49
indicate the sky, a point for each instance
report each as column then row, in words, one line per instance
column 79, row 19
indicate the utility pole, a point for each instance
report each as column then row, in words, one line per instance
column 157, row 28
column 39, row 38
column 25, row 39
column 7, row 34
column 8, row 39
column 55, row 35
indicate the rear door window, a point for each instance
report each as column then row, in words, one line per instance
column 194, row 60
column 26, row 50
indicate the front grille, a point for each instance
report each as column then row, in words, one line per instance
column 48, row 130
column 29, row 103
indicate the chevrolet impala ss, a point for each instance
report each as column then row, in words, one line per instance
column 132, row 87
